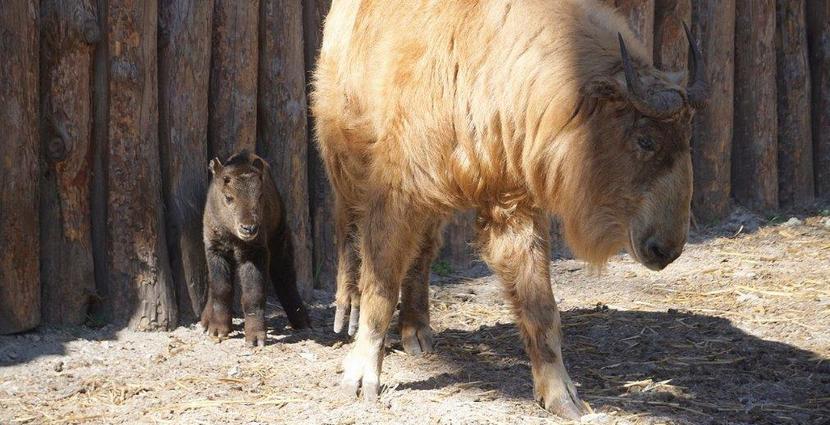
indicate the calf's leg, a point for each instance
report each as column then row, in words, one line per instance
column 284, row 278
column 251, row 275
column 516, row 248
column 216, row 317
column 416, row 334
column 388, row 245
column 347, row 296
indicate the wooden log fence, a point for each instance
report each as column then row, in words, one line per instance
column 110, row 111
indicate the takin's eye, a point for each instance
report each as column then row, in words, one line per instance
column 646, row 144
column 228, row 199
column 227, row 179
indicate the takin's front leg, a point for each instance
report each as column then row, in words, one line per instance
column 416, row 334
column 216, row 316
column 251, row 275
column 388, row 245
column 516, row 249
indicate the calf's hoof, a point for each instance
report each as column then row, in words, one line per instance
column 219, row 332
column 257, row 339
column 255, row 330
column 416, row 339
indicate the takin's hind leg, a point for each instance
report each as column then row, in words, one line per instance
column 416, row 334
column 516, row 249
column 347, row 297
column 389, row 242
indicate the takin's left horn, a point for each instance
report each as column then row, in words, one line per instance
column 662, row 104
column 697, row 91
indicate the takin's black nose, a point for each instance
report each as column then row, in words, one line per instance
column 661, row 255
column 248, row 229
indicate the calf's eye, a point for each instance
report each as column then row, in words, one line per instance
column 229, row 199
column 646, row 144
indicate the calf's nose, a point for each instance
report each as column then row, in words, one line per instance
column 248, row 229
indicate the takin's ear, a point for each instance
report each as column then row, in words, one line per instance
column 259, row 163
column 215, row 167
column 608, row 88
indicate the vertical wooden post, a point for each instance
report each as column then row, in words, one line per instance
column 68, row 33
column 671, row 50
column 321, row 204
column 19, row 170
column 640, row 15
column 459, row 235
column 99, row 310
column 282, row 131
column 141, row 287
column 818, row 30
column 184, row 73
column 795, row 139
column 755, row 142
column 714, row 28
column 233, row 77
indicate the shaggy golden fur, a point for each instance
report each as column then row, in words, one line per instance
column 517, row 109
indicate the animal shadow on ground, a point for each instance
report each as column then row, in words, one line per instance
column 52, row 340
column 321, row 315
column 684, row 367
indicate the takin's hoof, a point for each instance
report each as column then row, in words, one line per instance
column 361, row 369
column 340, row 314
column 368, row 389
column 558, row 396
column 417, row 340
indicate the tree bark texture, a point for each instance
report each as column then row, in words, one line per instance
column 233, row 77
column 795, row 138
column 755, row 142
column 141, row 286
column 640, row 15
column 282, row 123
column 184, row 75
column 818, row 30
column 321, row 203
column 671, row 49
column 68, row 32
column 19, row 167
column 459, row 237
column 714, row 28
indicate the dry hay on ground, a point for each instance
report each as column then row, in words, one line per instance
column 736, row 331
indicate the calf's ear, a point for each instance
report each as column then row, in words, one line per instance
column 215, row 167
column 258, row 163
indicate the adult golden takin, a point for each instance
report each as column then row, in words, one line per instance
column 517, row 109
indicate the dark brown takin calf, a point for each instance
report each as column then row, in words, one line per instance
column 247, row 241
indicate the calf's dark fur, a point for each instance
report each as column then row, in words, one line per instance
column 248, row 242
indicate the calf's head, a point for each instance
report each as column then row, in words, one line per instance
column 238, row 187
column 630, row 182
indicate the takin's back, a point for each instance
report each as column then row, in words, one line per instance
column 447, row 100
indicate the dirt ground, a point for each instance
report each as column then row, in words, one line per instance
column 737, row 331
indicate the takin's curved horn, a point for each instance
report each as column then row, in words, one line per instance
column 697, row 90
column 663, row 104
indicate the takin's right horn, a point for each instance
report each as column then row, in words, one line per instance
column 662, row 104
column 697, row 90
